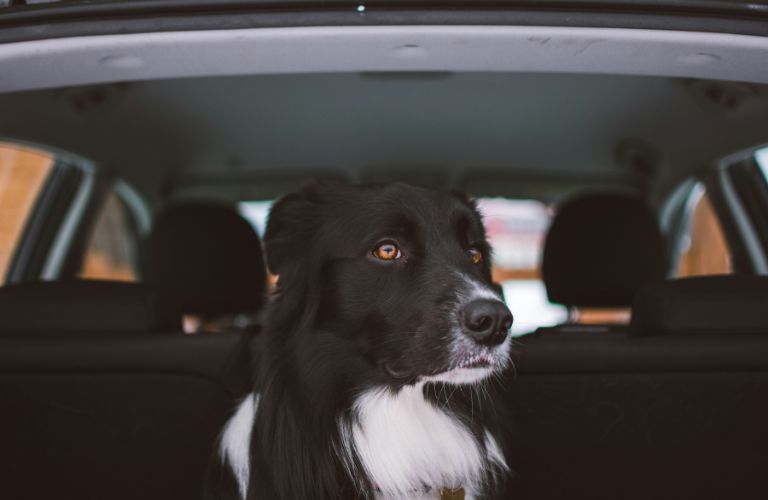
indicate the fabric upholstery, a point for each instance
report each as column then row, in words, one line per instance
column 206, row 259
column 99, row 403
column 82, row 307
column 600, row 249
column 703, row 305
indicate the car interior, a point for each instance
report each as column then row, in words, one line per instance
column 627, row 202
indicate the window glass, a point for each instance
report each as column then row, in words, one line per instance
column 112, row 249
column 703, row 249
column 516, row 230
column 761, row 156
column 256, row 213
column 22, row 174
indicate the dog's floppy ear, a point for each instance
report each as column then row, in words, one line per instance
column 293, row 222
column 289, row 230
column 291, row 254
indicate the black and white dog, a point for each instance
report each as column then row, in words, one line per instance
column 370, row 373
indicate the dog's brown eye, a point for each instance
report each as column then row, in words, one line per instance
column 387, row 251
column 476, row 255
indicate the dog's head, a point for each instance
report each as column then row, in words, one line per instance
column 398, row 274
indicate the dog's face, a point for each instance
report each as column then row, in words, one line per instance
column 399, row 274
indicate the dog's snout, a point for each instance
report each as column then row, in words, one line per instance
column 487, row 321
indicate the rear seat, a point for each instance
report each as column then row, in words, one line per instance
column 101, row 400
column 102, row 394
column 673, row 408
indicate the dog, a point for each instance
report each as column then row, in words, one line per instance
column 380, row 340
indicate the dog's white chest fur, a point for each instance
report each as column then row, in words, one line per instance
column 407, row 445
column 235, row 444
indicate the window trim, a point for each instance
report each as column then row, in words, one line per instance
column 749, row 239
column 39, row 229
column 748, row 181
column 53, row 218
column 675, row 218
column 139, row 223
column 68, row 228
column 136, row 206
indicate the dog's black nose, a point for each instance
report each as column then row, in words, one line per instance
column 487, row 321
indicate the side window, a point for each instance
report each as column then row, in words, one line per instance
column 111, row 252
column 703, row 249
column 23, row 172
column 761, row 157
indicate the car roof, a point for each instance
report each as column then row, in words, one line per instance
column 525, row 111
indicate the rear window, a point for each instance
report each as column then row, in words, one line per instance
column 516, row 230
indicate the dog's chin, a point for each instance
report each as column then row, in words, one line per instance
column 460, row 376
column 469, row 369
column 466, row 363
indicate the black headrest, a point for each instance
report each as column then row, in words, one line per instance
column 206, row 259
column 83, row 307
column 600, row 250
column 711, row 304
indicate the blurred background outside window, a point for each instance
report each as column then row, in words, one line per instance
column 111, row 252
column 516, row 230
column 703, row 249
column 23, row 171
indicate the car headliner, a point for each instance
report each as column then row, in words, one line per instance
column 522, row 110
